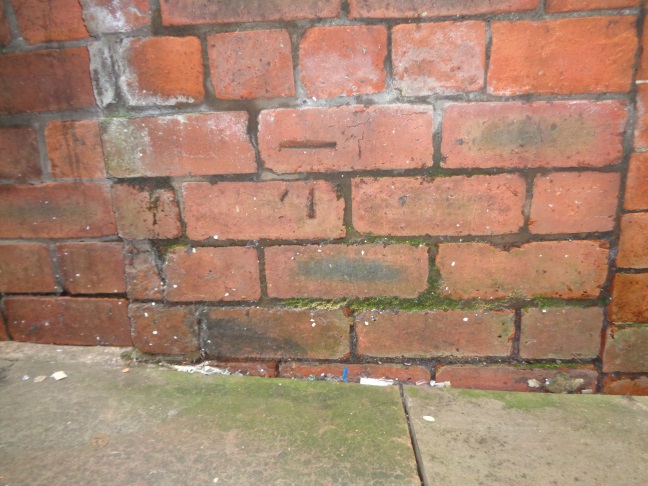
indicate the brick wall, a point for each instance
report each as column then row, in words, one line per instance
column 415, row 189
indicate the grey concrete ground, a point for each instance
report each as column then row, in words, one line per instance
column 156, row 426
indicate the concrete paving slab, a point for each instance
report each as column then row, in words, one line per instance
column 157, row 427
column 501, row 438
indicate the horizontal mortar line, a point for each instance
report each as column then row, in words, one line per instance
column 630, row 270
column 58, row 241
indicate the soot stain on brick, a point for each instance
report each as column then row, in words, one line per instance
column 348, row 270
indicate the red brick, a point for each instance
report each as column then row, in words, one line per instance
column 553, row 6
column 641, row 118
column 179, row 145
column 539, row 134
column 562, row 333
column 642, row 71
column 162, row 71
column 561, row 269
column 49, row 20
column 159, row 329
column 574, row 202
column 633, row 245
column 143, row 279
column 56, row 210
column 478, row 205
column 265, row 369
column 74, row 149
column 426, row 8
column 346, row 138
column 66, row 320
column 19, row 157
column 625, row 349
column 92, row 268
column 110, row 16
column 5, row 33
column 336, row 271
column 562, row 56
column 443, row 57
column 252, row 64
column 190, row 12
column 637, row 386
column 262, row 333
column 334, row 372
column 145, row 211
column 343, row 60
column 629, row 298
column 46, row 81
column 254, row 210
column 510, row 378
column 636, row 196
column 434, row 333
column 206, row 274
column 26, row 267
column 4, row 335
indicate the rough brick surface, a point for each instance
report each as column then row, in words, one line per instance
column 560, row 269
column 254, row 210
column 625, row 385
column 629, row 298
column 92, row 268
column 162, row 71
column 641, row 118
column 5, row 33
column 633, row 244
column 143, row 279
column 253, row 64
column 426, row 8
column 574, row 202
column 265, row 369
column 553, row 6
column 444, row 57
column 335, row 372
column 19, row 157
column 642, row 71
column 479, row 205
column 212, row 274
column 262, row 333
column 335, row 271
column 45, row 81
column 194, row 144
column 49, row 20
column 636, row 196
column 343, row 60
column 159, row 329
column 146, row 211
column 346, row 138
column 562, row 56
column 561, row 333
column 74, row 149
column 56, row 210
column 625, row 349
column 4, row 335
column 66, row 320
column 434, row 333
column 539, row 134
column 26, row 267
column 112, row 16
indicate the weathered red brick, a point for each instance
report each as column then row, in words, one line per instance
column 562, row 56
column 633, row 244
column 160, row 329
column 346, row 138
column 641, row 118
column 336, row 271
column 426, row 8
column 56, row 210
column 478, row 205
column 252, row 64
column 74, row 149
column 636, row 196
column 254, row 210
column 46, row 81
column 146, row 211
column 179, row 145
column 539, row 134
column 92, row 268
column 562, row 333
column 4, row 335
column 162, row 71
column 26, row 267
column 265, row 369
column 68, row 320
column 625, row 349
column 511, row 378
column 440, row 57
column 19, row 157
column 143, row 279
column 109, row 16
column 205, row 274
column 434, row 333
column 574, row 5
column 574, row 202
column 5, row 33
column 281, row 333
column 562, row 269
column 629, row 298
column 190, row 12
column 335, row 372
column 625, row 385
column 343, row 60
column 49, row 20
column 642, row 70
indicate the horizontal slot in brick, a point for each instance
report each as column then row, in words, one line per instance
column 427, row 9
column 92, row 268
column 629, row 298
column 354, row 372
column 26, row 268
column 19, row 159
column 159, row 329
column 74, row 149
column 625, row 349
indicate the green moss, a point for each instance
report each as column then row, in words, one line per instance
column 552, row 365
